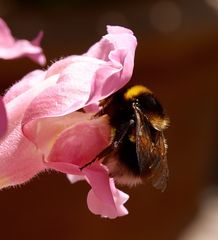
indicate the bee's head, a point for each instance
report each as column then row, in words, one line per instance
column 149, row 105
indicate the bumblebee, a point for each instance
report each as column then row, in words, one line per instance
column 137, row 152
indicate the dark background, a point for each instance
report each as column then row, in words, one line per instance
column 177, row 57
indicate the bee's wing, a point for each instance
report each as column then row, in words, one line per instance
column 151, row 151
column 160, row 172
column 143, row 142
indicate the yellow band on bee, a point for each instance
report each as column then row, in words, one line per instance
column 135, row 91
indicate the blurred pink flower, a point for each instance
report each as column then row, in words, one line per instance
column 3, row 118
column 46, row 130
column 11, row 48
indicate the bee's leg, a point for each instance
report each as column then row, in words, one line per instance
column 102, row 154
column 114, row 146
column 104, row 105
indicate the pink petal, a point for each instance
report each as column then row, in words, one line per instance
column 59, row 66
column 117, row 38
column 85, row 80
column 80, row 143
column 38, row 57
column 27, row 82
column 3, row 118
column 77, row 144
column 11, row 48
column 104, row 198
column 50, row 129
column 68, row 95
column 118, row 49
column 6, row 39
column 19, row 158
column 110, row 77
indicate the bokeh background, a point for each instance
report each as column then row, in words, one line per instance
column 177, row 57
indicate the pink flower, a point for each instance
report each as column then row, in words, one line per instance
column 3, row 118
column 46, row 130
column 11, row 48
